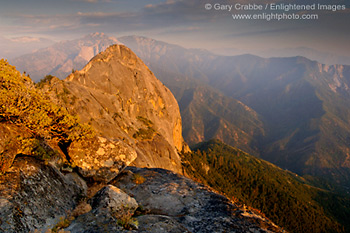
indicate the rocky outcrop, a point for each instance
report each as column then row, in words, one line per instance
column 100, row 158
column 122, row 100
column 113, row 200
column 35, row 196
column 110, row 206
column 173, row 203
column 157, row 201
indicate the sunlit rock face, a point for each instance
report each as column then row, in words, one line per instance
column 121, row 98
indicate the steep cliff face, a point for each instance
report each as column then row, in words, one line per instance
column 121, row 98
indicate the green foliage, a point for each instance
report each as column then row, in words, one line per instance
column 21, row 103
column 64, row 95
column 36, row 148
column 127, row 222
column 145, row 133
column 125, row 218
column 145, row 121
column 43, row 81
column 282, row 196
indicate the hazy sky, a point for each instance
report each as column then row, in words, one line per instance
column 184, row 22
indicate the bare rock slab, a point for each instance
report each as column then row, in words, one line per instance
column 174, row 203
column 34, row 196
column 160, row 224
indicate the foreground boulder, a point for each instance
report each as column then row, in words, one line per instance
column 112, row 210
column 113, row 200
column 34, row 196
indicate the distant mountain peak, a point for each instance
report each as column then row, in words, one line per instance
column 98, row 36
column 63, row 57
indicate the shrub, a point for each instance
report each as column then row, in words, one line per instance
column 37, row 148
column 145, row 121
column 21, row 103
column 126, row 220
column 43, row 81
column 63, row 223
column 145, row 133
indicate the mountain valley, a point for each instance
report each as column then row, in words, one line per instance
column 301, row 104
column 106, row 111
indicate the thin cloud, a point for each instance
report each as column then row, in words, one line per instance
column 262, row 32
column 171, row 31
column 38, row 23
column 91, row 1
column 164, row 18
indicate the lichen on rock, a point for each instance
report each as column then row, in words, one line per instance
column 34, row 196
column 112, row 211
column 100, row 158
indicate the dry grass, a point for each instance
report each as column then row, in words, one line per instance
column 138, row 179
column 94, row 188
column 81, row 209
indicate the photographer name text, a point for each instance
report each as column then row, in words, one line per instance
column 275, row 7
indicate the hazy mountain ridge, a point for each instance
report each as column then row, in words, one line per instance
column 206, row 112
column 298, row 101
column 298, row 108
column 312, row 54
column 62, row 57
column 222, row 118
